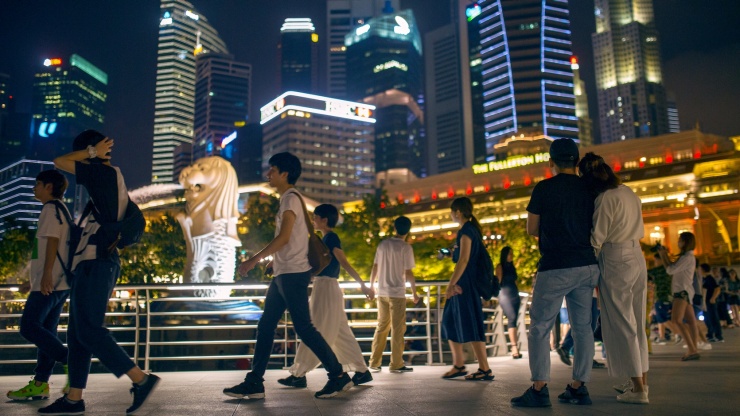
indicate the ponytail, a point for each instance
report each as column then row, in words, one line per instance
column 476, row 224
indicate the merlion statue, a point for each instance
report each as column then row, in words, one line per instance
column 209, row 221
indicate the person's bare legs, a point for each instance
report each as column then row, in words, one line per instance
column 458, row 357
column 514, row 341
column 479, row 348
column 685, row 330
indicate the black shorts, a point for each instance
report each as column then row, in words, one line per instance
column 682, row 295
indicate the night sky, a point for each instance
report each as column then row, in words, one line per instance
column 700, row 48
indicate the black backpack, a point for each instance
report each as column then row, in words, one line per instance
column 73, row 238
column 124, row 233
column 486, row 281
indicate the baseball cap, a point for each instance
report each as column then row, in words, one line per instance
column 564, row 150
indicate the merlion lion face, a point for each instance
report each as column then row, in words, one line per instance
column 198, row 179
column 211, row 185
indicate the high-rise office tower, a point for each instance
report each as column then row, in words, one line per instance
column 14, row 126
column 298, row 56
column 525, row 63
column 674, row 126
column 342, row 17
column 18, row 207
column 585, row 125
column 454, row 92
column 68, row 97
column 222, row 97
column 183, row 34
column 385, row 55
column 239, row 149
column 629, row 80
column 332, row 138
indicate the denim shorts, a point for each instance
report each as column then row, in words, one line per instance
column 682, row 295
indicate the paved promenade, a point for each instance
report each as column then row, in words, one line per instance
column 708, row 386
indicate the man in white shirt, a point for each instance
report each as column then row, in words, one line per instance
column 289, row 288
column 394, row 261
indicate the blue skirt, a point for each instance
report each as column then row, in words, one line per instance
column 462, row 319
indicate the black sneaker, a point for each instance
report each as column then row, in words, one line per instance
column 247, row 390
column 575, row 396
column 564, row 356
column 533, row 398
column 403, row 369
column 362, row 378
column 141, row 393
column 597, row 365
column 62, row 407
column 293, row 381
column 334, row 387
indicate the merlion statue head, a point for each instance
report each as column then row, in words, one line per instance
column 211, row 185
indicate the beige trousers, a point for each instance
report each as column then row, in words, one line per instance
column 391, row 317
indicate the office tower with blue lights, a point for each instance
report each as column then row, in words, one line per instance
column 298, row 56
column 629, row 78
column 332, row 138
column 222, row 97
column 385, row 56
column 526, row 70
column 18, row 207
column 183, row 34
column 342, row 17
column 68, row 98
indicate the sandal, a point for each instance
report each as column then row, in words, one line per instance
column 481, row 375
column 689, row 357
column 516, row 356
column 455, row 372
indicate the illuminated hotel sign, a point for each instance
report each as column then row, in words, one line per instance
column 316, row 104
column 512, row 162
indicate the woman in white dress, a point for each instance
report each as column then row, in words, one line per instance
column 617, row 230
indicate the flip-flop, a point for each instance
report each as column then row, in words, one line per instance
column 459, row 373
column 516, row 356
column 690, row 357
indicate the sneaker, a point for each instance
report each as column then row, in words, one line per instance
column 564, row 356
column 704, row 346
column 634, row 397
column 334, row 387
column 293, row 381
column 624, row 387
column 246, row 390
column 720, row 340
column 362, row 378
column 575, row 396
column 65, row 389
column 374, row 369
column 597, row 365
column 142, row 393
column 533, row 398
column 713, row 340
column 62, row 407
column 403, row 369
column 30, row 392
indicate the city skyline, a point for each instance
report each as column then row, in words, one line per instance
column 693, row 39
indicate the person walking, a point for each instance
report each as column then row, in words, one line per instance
column 289, row 288
column 48, row 285
column 616, row 235
column 508, row 298
column 712, row 292
column 733, row 292
column 97, row 268
column 560, row 213
column 392, row 268
column 326, row 308
column 462, row 319
column 682, row 285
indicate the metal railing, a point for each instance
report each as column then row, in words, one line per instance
column 167, row 324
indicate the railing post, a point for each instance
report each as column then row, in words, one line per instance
column 148, row 332
column 429, row 327
column 137, row 328
column 521, row 325
column 439, row 323
column 499, row 334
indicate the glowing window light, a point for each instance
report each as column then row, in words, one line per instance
column 192, row 15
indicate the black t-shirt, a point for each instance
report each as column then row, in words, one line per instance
column 566, row 209
column 102, row 183
column 710, row 283
column 331, row 239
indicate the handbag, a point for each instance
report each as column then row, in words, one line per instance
column 319, row 255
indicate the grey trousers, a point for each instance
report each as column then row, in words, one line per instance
column 623, row 298
column 576, row 285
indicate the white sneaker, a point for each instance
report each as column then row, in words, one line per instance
column 634, row 397
column 704, row 346
column 624, row 387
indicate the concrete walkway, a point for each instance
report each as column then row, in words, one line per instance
column 708, row 386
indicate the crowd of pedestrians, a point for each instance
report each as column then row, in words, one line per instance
column 588, row 226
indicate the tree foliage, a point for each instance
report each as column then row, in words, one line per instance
column 16, row 247
column 524, row 246
column 160, row 253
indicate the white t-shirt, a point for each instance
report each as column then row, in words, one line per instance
column 682, row 274
column 393, row 257
column 50, row 225
column 293, row 257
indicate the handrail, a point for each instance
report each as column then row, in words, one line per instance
column 201, row 334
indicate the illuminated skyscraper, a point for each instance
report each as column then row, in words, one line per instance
column 342, row 17
column 183, row 34
column 68, row 97
column 525, row 66
column 222, row 91
column 298, row 55
column 629, row 80
column 585, row 125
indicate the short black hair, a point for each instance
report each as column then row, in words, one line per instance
column 56, row 179
column 403, row 225
column 287, row 162
column 565, row 164
column 705, row 268
column 329, row 212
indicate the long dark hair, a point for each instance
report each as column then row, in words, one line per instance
column 689, row 242
column 504, row 257
column 465, row 206
column 597, row 174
